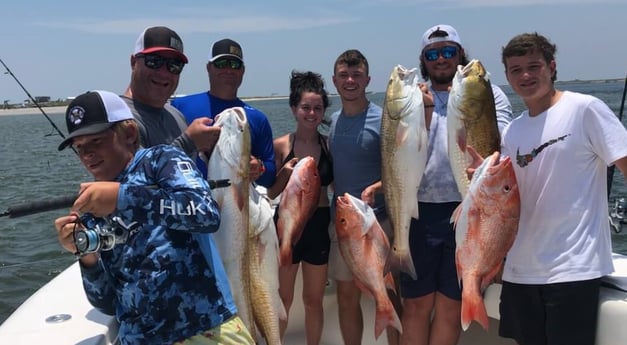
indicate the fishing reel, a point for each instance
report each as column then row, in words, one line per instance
column 617, row 215
column 97, row 236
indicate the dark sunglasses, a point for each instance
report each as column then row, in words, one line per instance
column 230, row 63
column 447, row 52
column 154, row 61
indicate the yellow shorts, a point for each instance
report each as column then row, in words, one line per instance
column 338, row 269
column 231, row 332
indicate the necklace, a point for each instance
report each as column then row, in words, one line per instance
column 442, row 104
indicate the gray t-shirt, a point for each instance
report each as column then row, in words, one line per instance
column 161, row 126
column 438, row 184
column 354, row 144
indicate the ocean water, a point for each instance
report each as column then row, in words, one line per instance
column 32, row 169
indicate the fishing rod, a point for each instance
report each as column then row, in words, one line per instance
column 618, row 213
column 610, row 170
column 32, row 99
column 32, row 207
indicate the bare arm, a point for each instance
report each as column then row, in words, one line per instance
column 621, row 164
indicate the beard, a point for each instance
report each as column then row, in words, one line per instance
column 442, row 79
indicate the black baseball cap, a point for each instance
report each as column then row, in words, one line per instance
column 226, row 48
column 159, row 38
column 94, row 112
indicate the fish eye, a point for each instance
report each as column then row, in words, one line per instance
column 507, row 188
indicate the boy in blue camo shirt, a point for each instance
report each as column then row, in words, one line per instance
column 158, row 284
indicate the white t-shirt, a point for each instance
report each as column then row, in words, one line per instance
column 560, row 160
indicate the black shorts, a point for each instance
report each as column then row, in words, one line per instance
column 432, row 246
column 314, row 243
column 559, row 313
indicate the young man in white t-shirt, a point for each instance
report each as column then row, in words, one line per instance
column 562, row 146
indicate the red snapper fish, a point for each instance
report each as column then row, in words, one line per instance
column 365, row 248
column 486, row 224
column 299, row 201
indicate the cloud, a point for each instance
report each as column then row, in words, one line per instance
column 188, row 20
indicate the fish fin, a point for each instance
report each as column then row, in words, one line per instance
column 239, row 197
column 458, row 268
column 389, row 282
column 414, row 212
column 473, row 308
column 402, row 132
column 461, row 139
column 489, row 277
column 280, row 307
column 386, row 316
column 456, row 213
column 403, row 262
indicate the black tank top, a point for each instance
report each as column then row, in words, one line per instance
column 325, row 164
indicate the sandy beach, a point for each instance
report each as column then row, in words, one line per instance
column 31, row 111
column 61, row 109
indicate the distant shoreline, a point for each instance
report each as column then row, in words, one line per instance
column 32, row 111
column 61, row 109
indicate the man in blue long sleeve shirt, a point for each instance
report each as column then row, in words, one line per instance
column 157, row 282
column 226, row 72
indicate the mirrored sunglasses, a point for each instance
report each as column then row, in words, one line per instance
column 230, row 63
column 154, row 61
column 447, row 52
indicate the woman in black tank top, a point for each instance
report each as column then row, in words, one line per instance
column 308, row 102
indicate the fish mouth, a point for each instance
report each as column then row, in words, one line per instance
column 474, row 67
column 498, row 162
column 240, row 115
column 343, row 200
column 348, row 200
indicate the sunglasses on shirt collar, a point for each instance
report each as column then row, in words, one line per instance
column 230, row 63
column 154, row 61
column 447, row 52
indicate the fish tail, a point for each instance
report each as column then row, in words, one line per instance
column 403, row 262
column 473, row 308
column 386, row 316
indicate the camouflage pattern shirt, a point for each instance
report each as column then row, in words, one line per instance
column 159, row 284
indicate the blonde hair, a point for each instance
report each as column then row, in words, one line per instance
column 121, row 128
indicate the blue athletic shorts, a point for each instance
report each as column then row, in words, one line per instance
column 432, row 246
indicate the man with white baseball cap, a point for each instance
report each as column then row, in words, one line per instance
column 432, row 239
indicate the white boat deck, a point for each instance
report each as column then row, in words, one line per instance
column 64, row 296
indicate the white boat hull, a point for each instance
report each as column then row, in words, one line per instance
column 64, row 295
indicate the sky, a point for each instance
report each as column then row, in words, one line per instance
column 64, row 48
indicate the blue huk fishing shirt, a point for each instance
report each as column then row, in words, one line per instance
column 160, row 285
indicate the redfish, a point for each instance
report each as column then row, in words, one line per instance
column 230, row 160
column 486, row 224
column 365, row 249
column 404, row 156
column 263, row 266
column 471, row 120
